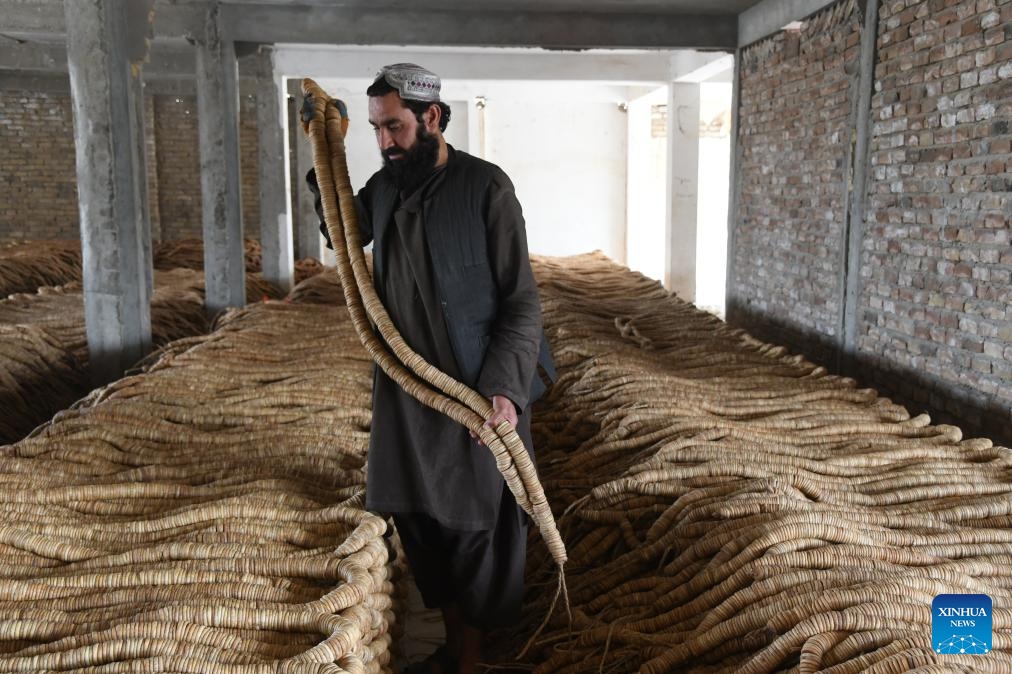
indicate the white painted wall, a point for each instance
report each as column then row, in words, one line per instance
column 562, row 143
column 564, row 146
column 646, row 185
column 714, row 165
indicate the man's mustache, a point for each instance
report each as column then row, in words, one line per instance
column 394, row 150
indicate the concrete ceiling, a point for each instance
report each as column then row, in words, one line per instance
column 572, row 6
column 33, row 32
column 554, row 24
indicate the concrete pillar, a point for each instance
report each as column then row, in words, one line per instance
column 683, row 189
column 308, row 241
column 104, row 76
column 218, row 119
column 858, row 189
column 137, row 98
column 734, row 199
column 275, row 216
column 765, row 18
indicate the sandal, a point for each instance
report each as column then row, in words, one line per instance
column 446, row 663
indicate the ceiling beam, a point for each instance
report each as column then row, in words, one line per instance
column 33, row 57
column 328, row 24
column 35, row 17
column 318, row 61
column 169, row 66
column 689, row 66
column 717, row 65
column 770, row 16
column 171, row 61
column 164, row 60
column 58, row 83
column 40, row 20
column 551, row 30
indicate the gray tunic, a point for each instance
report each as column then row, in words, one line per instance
column 419, row 460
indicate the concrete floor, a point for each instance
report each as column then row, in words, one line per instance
column 423, row 631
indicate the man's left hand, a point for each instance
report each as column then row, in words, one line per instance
column 503, row 409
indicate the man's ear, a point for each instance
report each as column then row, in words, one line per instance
column 431, row 117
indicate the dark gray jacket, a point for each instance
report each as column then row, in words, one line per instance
column 482, row 319
column 459, row 244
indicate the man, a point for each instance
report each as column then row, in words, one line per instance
column 450, row 264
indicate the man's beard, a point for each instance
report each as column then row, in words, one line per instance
column 415, row 164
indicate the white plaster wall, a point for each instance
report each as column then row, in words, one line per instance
column 562, row 143
column 647, row 175
column 564, row 146
column 714, row 166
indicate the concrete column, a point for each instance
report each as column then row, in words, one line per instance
column 104, row 75
column 137, row 98
column 275, row 216
column 308, row 241
column 764, row 18
column 853, row 244
column 218, row 119
column 683, row 189
column 734, row 205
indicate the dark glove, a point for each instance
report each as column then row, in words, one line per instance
column 314, row 187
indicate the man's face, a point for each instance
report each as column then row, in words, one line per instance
column 409, row 150
column 395, row 125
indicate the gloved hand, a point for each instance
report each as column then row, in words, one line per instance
column 314, row 187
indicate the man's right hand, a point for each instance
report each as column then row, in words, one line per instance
column 503, row 409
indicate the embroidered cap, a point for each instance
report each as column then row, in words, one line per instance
column 412, row 81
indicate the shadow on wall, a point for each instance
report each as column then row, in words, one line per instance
column 976, row 413
column 816, row 347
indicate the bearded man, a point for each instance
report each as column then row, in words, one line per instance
column 450, row 264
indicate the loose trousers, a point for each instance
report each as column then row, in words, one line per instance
column 480, row 571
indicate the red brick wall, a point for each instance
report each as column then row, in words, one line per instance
column 178, row 163
column 178, row 150
column 38, row 176
column 249, row 166
column 937, row 263
column 936, row 268
column 794, row 126
column 151, row 165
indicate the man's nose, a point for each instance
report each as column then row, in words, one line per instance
column 386, row 139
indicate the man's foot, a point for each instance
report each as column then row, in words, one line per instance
column 440, row 662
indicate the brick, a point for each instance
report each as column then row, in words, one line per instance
column 957, row 181
column 808, row 168
column 962, row 270
column 981, row 365
column 994, row 349
column 28, row 121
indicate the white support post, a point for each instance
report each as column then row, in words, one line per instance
column 683, row 189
